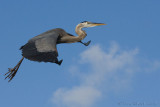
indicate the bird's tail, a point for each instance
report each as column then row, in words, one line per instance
column 12, row 71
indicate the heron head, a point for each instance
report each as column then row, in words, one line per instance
column 91, row 24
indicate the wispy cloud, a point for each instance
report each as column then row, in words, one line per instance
column 77, row 96
column 109, row 70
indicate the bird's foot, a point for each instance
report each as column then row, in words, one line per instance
column 11, row 73
column 86, row 44
column 59, row 62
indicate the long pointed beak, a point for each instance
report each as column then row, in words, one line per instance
column 96, row 24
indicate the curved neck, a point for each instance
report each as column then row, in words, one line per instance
column 81, row 33
column 72, row 39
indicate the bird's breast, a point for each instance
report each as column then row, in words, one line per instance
column 67, row 39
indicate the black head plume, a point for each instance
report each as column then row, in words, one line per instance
column 84, row 21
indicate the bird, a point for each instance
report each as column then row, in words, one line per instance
column 42, row 48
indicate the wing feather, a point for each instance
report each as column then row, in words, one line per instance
column 42, row 48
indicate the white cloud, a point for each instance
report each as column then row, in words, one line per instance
column 81, row 96
column 106, row 71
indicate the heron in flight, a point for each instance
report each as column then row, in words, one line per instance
column 42, row 48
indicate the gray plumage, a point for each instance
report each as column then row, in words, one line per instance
column 42, row 48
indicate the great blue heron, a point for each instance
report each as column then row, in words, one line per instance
column 42, row 48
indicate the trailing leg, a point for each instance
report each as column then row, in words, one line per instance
column 12, row 71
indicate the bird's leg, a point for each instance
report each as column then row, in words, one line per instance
column 12, row 71
column 58, row 62
column 86, row 43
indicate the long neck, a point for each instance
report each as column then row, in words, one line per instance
column 72, row 39
column 81, row 33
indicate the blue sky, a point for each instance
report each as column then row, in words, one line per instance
column 119, row 68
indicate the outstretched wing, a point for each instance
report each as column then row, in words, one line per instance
column 42, row 47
